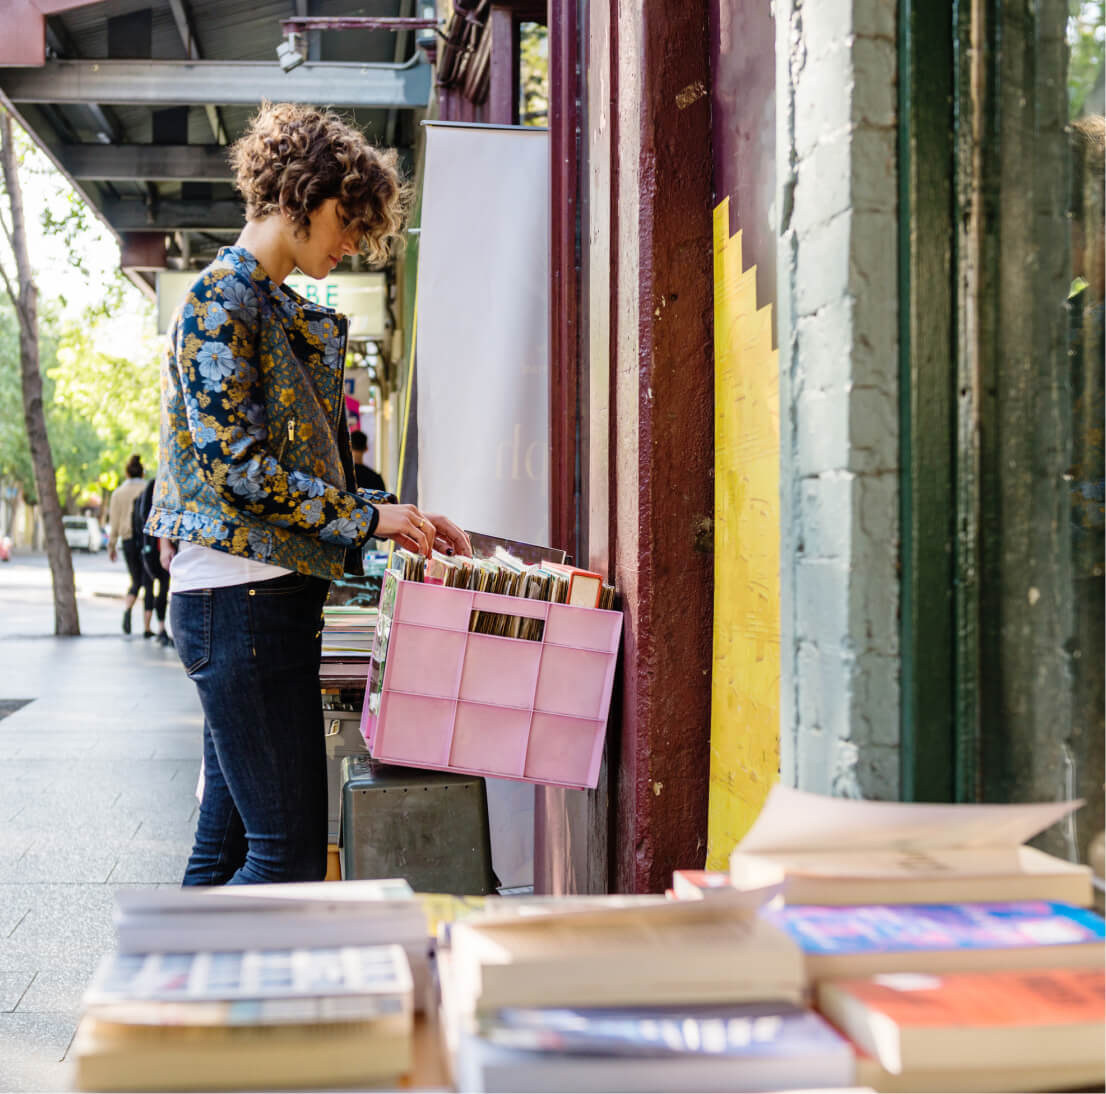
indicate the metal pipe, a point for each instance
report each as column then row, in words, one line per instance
column 319, row 22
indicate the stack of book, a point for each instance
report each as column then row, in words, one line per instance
column 348, row 630
column 349, row 619
column 630, row 994
column 256, row 986
column 953, row 956
column 238, row 917
column 246, row 1020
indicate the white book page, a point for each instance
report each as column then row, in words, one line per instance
column 794, row 820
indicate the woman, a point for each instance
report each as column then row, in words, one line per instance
column 123, row 531
column 256, row 484
column 155, row 576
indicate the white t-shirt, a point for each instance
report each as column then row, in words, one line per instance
column 197, row 567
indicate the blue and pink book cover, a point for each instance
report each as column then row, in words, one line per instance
column 880, row 928
column 740, row 1029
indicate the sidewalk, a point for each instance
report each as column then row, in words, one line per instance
column 99, row 770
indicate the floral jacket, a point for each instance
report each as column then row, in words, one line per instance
column 255, row 457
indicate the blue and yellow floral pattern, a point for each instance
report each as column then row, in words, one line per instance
column 254, row 453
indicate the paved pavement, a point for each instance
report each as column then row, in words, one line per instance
column 97, row 778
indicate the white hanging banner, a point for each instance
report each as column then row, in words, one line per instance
column 483, row 339
column 483, row 367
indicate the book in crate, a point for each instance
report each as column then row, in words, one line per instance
column 441, row 695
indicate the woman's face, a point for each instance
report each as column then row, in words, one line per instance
column 327, row 243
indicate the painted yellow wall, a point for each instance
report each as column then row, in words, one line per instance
column 745, row 742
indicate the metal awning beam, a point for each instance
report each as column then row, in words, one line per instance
column 174, row 216
column 183, row 18
column 153, row 162
column 226, row 83
column 302, row 24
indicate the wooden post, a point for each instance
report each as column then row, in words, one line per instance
column 647, row 440
column 503, row 76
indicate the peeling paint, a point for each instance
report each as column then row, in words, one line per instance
column 690, row 94
column 657, row 788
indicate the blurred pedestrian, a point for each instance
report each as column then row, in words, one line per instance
column 122, row 532
column 156, row 576
column 367, row 477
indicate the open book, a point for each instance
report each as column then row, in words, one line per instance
column 839, row 851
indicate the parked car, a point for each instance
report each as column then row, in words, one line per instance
column 82, row 533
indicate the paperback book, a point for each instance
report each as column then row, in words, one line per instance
column 246, row 1020
column 869, row 939
column 251, row 987
column 731, row 1047
column 966, row 1022
column 611, row 955
column 825, row 850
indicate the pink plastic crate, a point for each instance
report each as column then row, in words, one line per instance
column 482, row 704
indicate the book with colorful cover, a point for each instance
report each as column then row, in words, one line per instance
column 975, row 1020
column 720, row 1047
column 736, row 1030
column 584, row 586
column 863, row 940
column 714, row 887
column 252, row 987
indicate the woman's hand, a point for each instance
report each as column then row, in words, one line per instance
column 420, row 532
column 448, row 538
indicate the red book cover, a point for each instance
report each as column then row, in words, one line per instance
column 1034, row 997
column 584, row 586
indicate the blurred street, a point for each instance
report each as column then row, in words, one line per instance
column 100, row 738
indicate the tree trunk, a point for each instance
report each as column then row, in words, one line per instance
column 66, row 620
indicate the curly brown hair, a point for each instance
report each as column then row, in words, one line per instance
column 292, row 158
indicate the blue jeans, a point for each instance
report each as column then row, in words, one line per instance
column 253, row 651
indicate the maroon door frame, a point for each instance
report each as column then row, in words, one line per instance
column 656, row 475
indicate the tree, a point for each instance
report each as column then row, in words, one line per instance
column 16, row 475
column 97, row 393
column 24, row 299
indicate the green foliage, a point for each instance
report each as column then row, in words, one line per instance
column 100, row 406
column 1086, row 36
column 15, row 453
column 533, row 74
column 104, row 406
column 69, row 219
